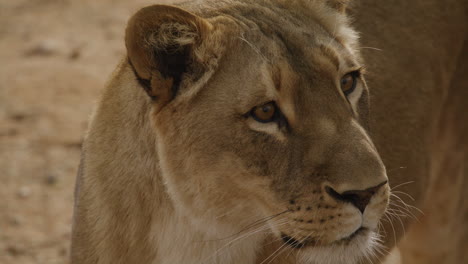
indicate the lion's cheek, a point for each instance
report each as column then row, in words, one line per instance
column 219, row 192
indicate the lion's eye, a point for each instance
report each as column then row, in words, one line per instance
column 265, row 113
column 348, row 82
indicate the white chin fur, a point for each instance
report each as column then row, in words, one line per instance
column 361, row 247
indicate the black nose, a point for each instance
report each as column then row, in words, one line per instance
column 359, row 198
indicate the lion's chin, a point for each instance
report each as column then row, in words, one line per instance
column 360, row 245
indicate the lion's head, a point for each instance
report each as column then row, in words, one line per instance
column 260, row 109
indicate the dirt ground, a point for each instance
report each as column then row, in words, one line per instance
column 56, row 56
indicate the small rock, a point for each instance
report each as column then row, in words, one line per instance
column 63, row 252
column 51, row 179
column 18, row 117
column 14, row 251
column 12, row 132
column 75, row 54
column 45, row 48
column 15, row 221
column 9, row 133
column 24, row 192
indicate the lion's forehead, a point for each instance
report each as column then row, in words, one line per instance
column 305, row 22
column 301, row 53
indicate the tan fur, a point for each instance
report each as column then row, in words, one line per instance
column 174, row 170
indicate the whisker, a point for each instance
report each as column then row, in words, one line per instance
column 372, row 48
column 408, row 207
column 279, row 253
column 271, row 255
column 407, row 195
column 378, row 253
column 251, row 225
column 398, row 212
column 394, row 169
column 254, row 48
column 367, row 258
column 261, row 229
column 381, row 228
column 401, row 184
column 226, row 213
column 401, row 223
column 379, row 249
column 393, row 228
column 402, row 208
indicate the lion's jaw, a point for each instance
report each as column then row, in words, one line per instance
column 362, row 246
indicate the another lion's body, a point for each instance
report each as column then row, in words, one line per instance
column 134, row 204
column 418, row 82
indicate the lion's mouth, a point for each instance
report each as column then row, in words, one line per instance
column 297, row 244
column 361, row 231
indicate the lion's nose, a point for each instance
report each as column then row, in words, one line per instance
column 359, row 198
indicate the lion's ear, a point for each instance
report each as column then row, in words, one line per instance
column 161, row 41
column 339, row 5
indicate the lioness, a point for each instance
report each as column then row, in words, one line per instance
column 240, row 132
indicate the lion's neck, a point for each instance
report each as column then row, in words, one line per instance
column 179, row 241
column 163, row 235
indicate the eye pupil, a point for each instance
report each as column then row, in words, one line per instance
column 264, row 113
column 348, row 83
column 266, row 108
column 344, row 81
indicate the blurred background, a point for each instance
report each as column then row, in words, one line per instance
column 56, row 56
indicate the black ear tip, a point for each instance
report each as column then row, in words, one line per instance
column 157, row 36
column 160, row 43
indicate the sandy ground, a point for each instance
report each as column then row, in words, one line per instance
column 56, row 56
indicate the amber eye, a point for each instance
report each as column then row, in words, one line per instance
column 265, row 113
column 348, row 82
